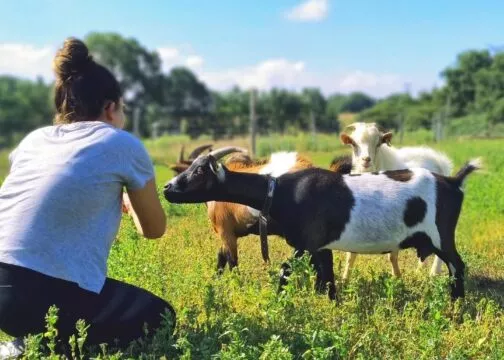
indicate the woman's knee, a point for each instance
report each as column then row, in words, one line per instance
column 137, row 306
column 162, row 314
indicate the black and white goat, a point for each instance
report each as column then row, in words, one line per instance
column 372, row 151
column 320, row 210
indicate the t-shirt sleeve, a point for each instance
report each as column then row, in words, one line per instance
column 139, row 168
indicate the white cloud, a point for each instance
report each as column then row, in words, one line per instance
column 30, row 61
column 293, row 75
column 168, row 54
column 26, row 60
column 265, row 75
column 179, row 56
column 170, row 57
column 310, row 10
column 375, row 84
column 359, row 79
column 194, row 61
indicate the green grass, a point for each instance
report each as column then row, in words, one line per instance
column 4, row 164
column 240, row 316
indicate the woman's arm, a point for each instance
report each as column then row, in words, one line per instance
column 145, row 208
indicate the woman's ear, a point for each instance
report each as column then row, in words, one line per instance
column 114, row 114
column 110, row 110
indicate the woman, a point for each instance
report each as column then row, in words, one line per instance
column 60, row 209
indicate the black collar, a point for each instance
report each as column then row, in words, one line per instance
column 264, row 216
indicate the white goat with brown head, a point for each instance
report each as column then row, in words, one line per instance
column 372, row 151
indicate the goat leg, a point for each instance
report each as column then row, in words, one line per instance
column 326, row 264
column 395, row 264
column 286, row 271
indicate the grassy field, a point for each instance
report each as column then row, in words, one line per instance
column 239, row 315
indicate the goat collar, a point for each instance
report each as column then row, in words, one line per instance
column 264, row 216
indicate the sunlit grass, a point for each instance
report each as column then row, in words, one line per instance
column 239, row 315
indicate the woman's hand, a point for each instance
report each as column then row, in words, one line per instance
column 144, row 207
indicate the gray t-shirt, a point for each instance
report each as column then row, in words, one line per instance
column 60, row 205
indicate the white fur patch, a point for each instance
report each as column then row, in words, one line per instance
column 477, row 163
column 427, row 158
column 377, row 219
column 279, row 164
column 174, row 180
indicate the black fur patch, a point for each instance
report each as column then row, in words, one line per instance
column 399, row 175
column 421, row 242
column 313, row 206
column 415, row 211
column 448, row 205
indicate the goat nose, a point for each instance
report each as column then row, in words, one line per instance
column 367, row 159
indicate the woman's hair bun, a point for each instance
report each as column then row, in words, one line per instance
column 72, row 59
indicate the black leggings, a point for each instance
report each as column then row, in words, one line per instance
column 117, row 314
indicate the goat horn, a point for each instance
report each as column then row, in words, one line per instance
column 220, row 153
column 196, row 152
column 181, row 155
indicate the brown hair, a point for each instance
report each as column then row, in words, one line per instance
column 83, row 87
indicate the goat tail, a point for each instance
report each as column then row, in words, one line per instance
column 467, row 169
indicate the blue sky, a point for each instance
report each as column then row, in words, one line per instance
column 370, row 45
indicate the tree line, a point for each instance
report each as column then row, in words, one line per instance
column 179, row 102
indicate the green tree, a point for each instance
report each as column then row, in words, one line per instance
column 283, row 108
column 24, row 106
column 137, row 69
column 357, row 102
column 188, row 98
column 333, row 108
column 421, row 111
column 490, row 84
column 461, row 79
column 495, row 115
column 231, row 112
column 388, row 111
column 314, row 106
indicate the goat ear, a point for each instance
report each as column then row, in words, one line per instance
column 346, row 139
column 387, row 138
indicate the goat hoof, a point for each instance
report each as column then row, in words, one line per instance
column 332, row 292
